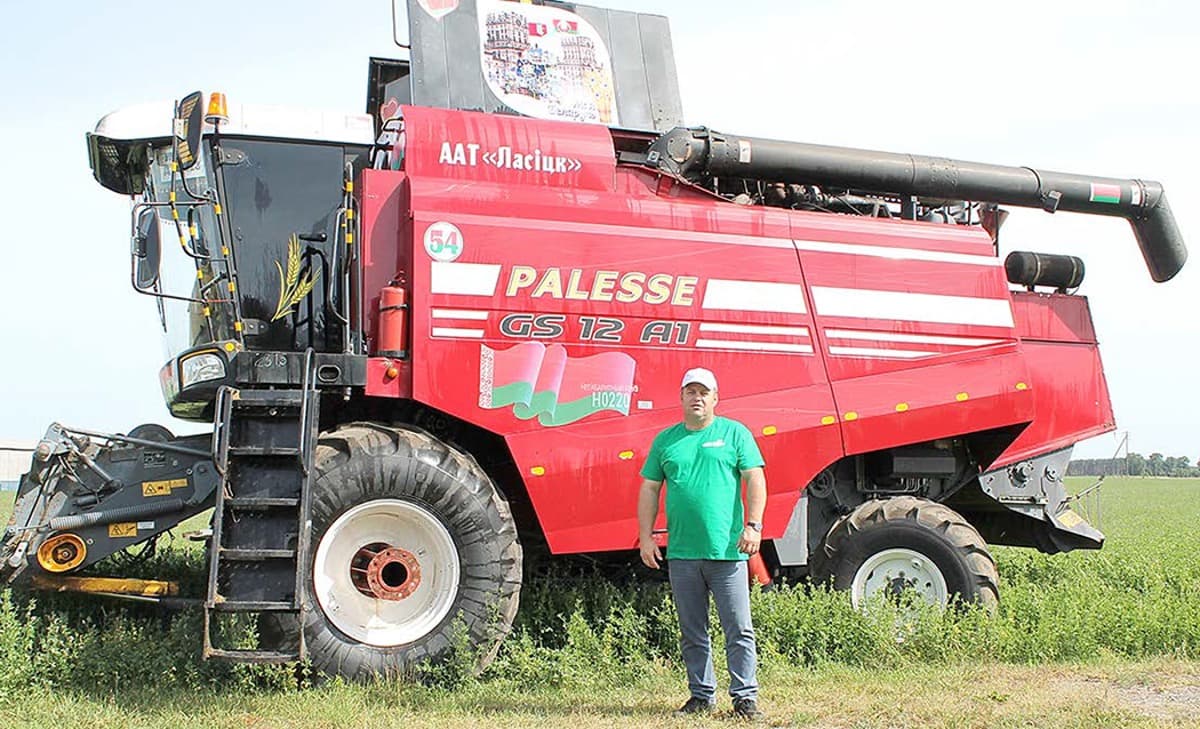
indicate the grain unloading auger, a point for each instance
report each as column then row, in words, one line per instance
column 700, row 155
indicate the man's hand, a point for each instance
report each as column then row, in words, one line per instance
column 651, row 555
column 749, row 542
column 647, row 513
column 756, row 501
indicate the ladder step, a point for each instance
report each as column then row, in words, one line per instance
column 251, row 503
column 252, row 606
column 252, row 555
column 262, row 451
column 261, row 434
column 254, row 656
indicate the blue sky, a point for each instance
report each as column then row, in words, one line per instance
column 1093, row 87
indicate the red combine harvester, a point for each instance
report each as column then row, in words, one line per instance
column 427, row 335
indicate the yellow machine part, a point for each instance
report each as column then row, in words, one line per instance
column 62, row 553
column 107, row 585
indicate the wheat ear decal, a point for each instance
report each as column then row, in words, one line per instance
column 292, row 287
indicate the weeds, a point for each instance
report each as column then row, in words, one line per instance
column 1138, row 598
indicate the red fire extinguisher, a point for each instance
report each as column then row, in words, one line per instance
column 758, row 570
column 393, row 321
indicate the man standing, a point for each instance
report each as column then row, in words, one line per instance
column 703, row 461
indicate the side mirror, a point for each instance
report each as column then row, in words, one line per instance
column 147, row 249
column 189, row 125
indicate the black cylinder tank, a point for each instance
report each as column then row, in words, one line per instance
column 1044, row 269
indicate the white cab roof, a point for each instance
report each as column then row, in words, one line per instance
column 153, row 121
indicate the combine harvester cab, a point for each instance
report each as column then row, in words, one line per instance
column 427, row 336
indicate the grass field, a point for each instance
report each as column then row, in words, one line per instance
column 1086, row 639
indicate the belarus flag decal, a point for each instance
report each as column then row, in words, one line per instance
column 1106, row 193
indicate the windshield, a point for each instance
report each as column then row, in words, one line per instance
column 185, row 324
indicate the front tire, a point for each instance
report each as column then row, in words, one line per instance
column 411, row 543
column 907, row 543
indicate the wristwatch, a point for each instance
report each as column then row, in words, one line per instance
column 755, row 525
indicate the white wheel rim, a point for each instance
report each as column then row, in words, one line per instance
column 894, row 569
column 427, row 595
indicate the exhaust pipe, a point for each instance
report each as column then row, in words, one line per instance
column 697, row 153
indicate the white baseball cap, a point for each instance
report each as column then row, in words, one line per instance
column 700, row 376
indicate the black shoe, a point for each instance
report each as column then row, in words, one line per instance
column 696, row 705
column 746, row 709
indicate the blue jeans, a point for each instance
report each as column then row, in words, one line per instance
column 692, row 580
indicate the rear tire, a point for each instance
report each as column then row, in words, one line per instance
column 411, row 546
column 908, row 543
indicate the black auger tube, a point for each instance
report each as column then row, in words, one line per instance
column 698, row 153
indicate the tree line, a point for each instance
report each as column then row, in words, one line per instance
column 1135, row 464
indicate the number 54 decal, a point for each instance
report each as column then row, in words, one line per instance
column 443, row 241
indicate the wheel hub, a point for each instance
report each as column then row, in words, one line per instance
column 899, row 584
column 385, row 572
column 894, row 571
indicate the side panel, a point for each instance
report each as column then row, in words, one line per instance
column 575, row 300
column 1066, row 374
column 585, row 484
column 386, row 232
column 915, row 323
column 557, row 297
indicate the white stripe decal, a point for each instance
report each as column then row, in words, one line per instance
column 457, row 332
column 754, row 346
column 901, row 306
column 754, row 329
column 460, row 314
column 883, row 353
column 784, row 298
column 911, row 338
column 471, row 279
column 912, row 254
column 625, row 231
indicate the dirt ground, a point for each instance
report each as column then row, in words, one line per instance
column 1157, row 693
column 1168, row 703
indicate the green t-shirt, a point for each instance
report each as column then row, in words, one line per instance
column 702, row 469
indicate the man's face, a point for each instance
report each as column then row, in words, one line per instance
column 699, row 402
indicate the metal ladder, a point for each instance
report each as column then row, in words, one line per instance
column 263, row 444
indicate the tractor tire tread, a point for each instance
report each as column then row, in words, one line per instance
column 383, row 461
column 968, row 546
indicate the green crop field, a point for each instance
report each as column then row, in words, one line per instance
column 1086, row 639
